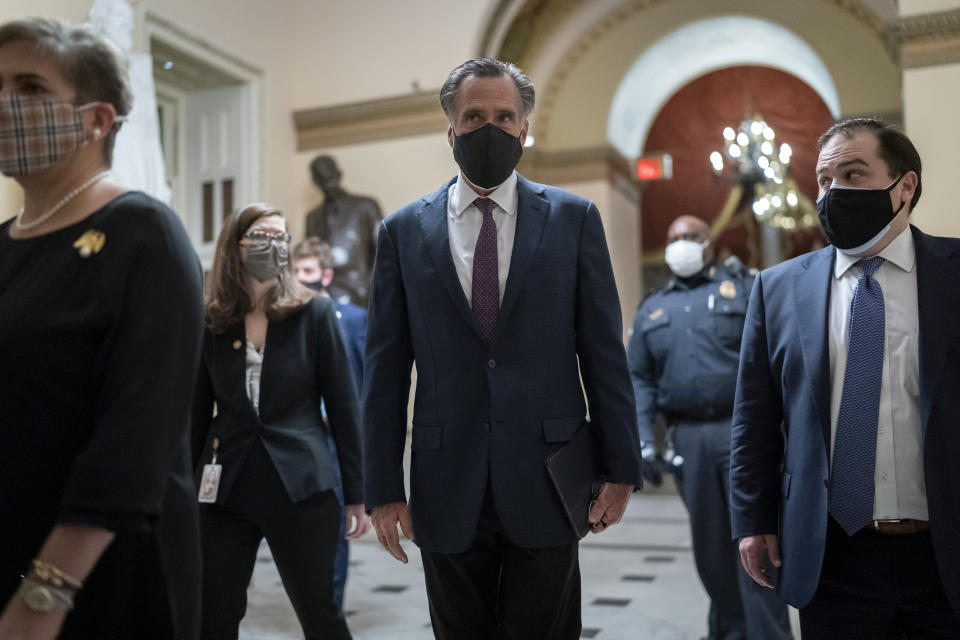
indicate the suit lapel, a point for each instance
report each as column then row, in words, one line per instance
column 812, row 312
column 433, row 223
column 938, row 289
column 532, row 211
column 233, row 345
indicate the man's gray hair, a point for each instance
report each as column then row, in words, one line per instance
column 486, row 68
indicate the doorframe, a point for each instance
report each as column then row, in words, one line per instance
column 175, row 98
column 151, row 24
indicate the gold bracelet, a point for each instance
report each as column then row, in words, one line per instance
column 49, row 574
column 45, row 598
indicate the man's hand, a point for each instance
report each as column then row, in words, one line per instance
column 652, row 466
column 357, row 521
column 609, row 506
column 754, row 554
column 385, row 519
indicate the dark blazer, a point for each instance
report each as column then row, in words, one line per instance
column 304, row 363
column 353, row 328
column 485, row 417
column 779, row 474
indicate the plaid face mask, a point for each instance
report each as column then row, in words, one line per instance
column 36, row 132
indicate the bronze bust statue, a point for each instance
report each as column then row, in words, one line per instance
column 349, row 224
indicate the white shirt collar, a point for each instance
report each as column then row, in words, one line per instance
column 900, row 252
column 505, row 195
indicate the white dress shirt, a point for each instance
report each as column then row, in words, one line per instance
column 463, row 227
column 899, row 482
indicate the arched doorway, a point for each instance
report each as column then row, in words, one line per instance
column 689, row 127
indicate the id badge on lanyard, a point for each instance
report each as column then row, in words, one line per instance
column 210, row 480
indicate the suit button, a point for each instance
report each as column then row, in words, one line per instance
column 492, row 363
column 486, row 427
column 237, row 344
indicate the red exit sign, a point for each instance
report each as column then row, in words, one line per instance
column 658, row 167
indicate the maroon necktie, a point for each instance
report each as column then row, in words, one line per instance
column 486, row 281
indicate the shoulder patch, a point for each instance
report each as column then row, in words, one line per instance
column 656, row 314
column 728, row 289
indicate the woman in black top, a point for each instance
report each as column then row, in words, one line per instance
column 274, row 363
column 100, row 327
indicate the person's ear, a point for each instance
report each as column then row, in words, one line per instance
column 523, row 132
column 908, row 186
column 451, row 136
column 101, row 119
column 326, row 277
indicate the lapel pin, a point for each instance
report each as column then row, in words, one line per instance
column 90, row 243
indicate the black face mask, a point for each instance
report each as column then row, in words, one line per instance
column 487, row 156
column 316, row 286
column 854, row 218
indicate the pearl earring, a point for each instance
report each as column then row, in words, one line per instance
column 96, row 134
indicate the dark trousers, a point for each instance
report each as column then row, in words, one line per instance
column 496, row 590
column 876, row 587
column 342, row 559
column 302, row 537
column 740, row 609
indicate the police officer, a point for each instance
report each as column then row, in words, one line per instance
column 683, row 356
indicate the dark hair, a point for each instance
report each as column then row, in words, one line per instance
column 895, row 147
column 227, row 299
column 486, row 68
column 92, row 64
column 314, row 247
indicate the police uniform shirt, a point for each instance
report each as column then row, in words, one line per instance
column 685, row 346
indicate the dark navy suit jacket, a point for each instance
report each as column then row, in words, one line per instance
column 353, row 327
column 486, row 417
column 781, row 423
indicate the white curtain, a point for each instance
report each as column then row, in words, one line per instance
column 138, row 156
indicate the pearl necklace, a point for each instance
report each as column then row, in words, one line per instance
column 26, row 226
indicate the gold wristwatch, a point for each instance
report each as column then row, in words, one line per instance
column 43, row 598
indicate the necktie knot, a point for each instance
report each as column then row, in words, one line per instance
column 869, row 266
column 485, row 205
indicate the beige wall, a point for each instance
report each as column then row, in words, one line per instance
column 913, row 7
column 931, row 104
column 931, row 101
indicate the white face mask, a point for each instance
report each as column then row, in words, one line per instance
column 685, row 257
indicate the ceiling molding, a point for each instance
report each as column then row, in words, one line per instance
column 928, row 39
column 369, row 120
column 535, row 39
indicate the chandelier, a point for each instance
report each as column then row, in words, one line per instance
column 762, row 170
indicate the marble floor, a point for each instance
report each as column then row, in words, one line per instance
column 638, row 582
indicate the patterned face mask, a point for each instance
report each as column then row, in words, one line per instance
column 36, row 132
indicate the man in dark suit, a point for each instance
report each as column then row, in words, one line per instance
column 844, row 486
column 313, row 266
column 502, row 292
